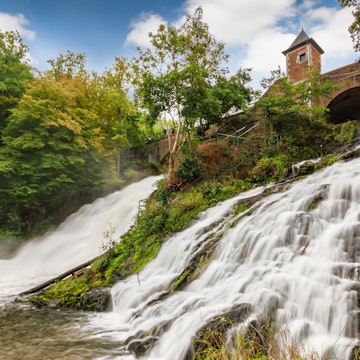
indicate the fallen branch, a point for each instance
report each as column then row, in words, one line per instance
column 78, row 270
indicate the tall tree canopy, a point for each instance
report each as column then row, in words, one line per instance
column 182, row 78
column 60, row 139
column 52, row 151
column 122, row 122
column 15, row 72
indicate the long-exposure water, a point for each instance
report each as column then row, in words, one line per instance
column 293, row 254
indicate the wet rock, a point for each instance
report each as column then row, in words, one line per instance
column 97, row 299
column 350, row 150
column 140, row 346
column 53, row 303
column 352, row 247
column 213, row 332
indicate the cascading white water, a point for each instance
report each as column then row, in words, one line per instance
column 77, row 240
column 294, row 255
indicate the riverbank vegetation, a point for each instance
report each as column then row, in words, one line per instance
column 165, row 212
column 264, row 343
column 65, row 138
column 65, row 134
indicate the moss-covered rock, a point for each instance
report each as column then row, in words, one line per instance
column 211, row 335
column 97, row 299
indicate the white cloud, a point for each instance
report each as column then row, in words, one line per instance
column 140, row 28
column 17, row 22
column 330, row 31
column 256, row 31
column 236, row 22
column 264, row 52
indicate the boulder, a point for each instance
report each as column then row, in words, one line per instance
column 140, row 346
column 97, row 299
column 215, row 330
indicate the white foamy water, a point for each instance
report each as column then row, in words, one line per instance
column 79, row 239
column 294, row 256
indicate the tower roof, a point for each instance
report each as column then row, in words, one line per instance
column 301, row 40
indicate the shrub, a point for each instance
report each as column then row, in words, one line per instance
column 189, row 170
column 347, row 132
column 270, row 169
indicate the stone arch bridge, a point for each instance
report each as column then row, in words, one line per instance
column 344, row 103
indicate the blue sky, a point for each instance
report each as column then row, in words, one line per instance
column 255, row 31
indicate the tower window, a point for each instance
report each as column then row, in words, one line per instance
column 302, row 57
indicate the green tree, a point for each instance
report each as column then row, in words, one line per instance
column 15, row 72
column 354, row 28
column 228, row 95
column 120, row 119
column 284, row 99
column 182, row 79
column 70, row 65
column 52, row 152
column 294, row 112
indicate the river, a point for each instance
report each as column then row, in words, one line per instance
column 293, row 254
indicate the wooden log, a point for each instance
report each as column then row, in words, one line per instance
column 76, row 271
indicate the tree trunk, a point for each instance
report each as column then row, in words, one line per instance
column 171, row 167
column 190, row 142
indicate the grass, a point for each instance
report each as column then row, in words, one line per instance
column 254, row 344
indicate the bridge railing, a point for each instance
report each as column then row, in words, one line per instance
column 236, row 138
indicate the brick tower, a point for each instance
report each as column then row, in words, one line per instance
column 303, row 53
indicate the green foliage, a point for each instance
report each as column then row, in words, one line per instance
column 65, row 293
column 253, row 344
column 70, row 65
column 182, row 79
column 212, row 190
column 329, row 159
column 123, row 123
column 14, row 73
column 270, row 169
column 63, row 136
column 346, row 133
column 52, row 150
column 189, row 170
column 284, row 101
column 181, row 279
column 240, row 208
column 182, row 212
column 155, row 165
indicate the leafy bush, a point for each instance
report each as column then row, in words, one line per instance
column 189, row 170
column 347, row 132
column 270, row 169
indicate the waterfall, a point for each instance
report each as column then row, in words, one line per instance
column 293, row 255
column 79, row 239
